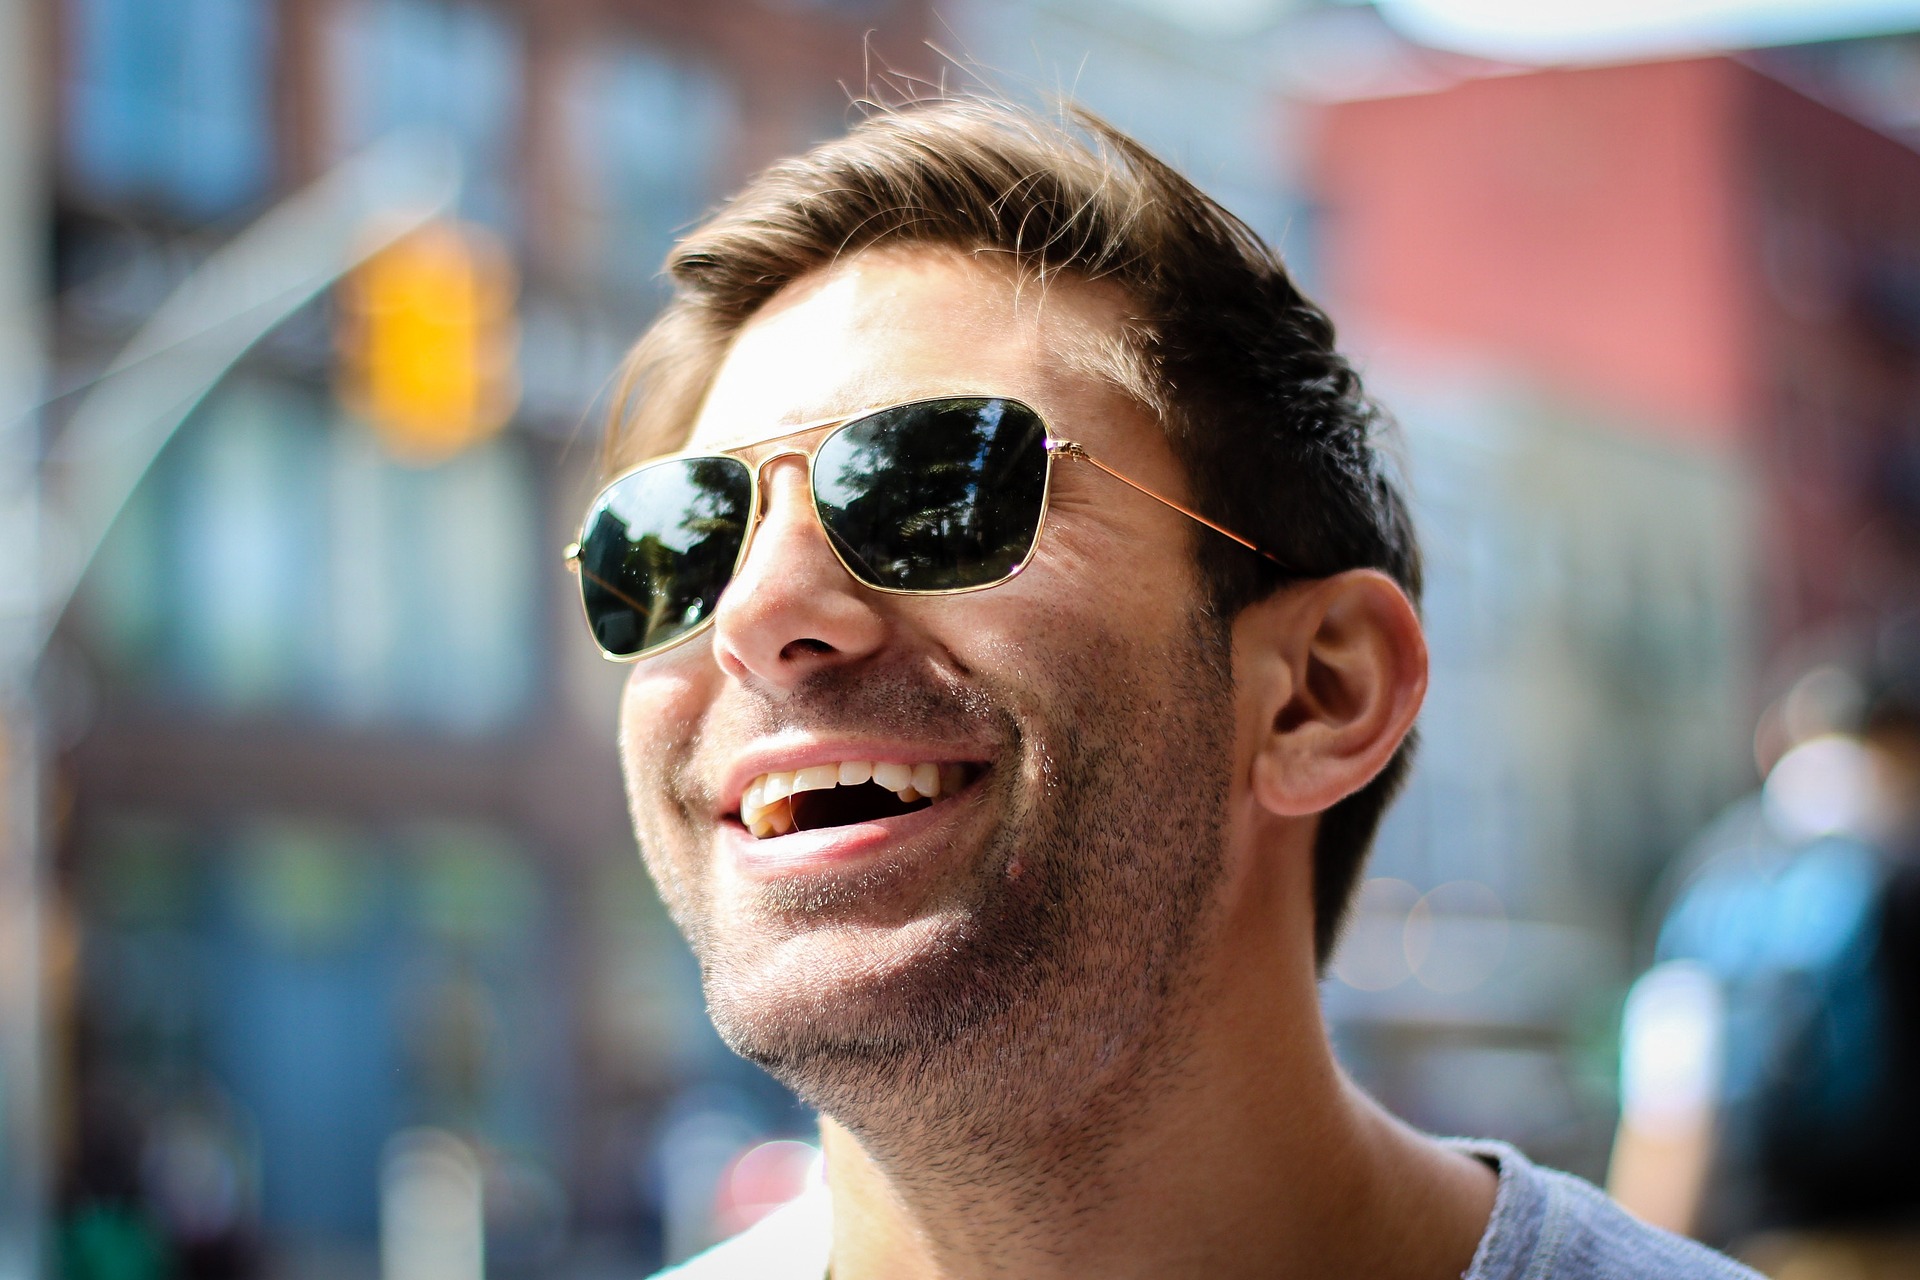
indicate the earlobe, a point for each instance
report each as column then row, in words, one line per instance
column 1340, row 670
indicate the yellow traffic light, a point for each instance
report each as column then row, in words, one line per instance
column 427, row 341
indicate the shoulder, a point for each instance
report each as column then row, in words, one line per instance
column 788, row 1244
column 1548, row 1225
column 791, row 1243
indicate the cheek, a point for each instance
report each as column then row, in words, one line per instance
column 660, row 709
column 1083, row 587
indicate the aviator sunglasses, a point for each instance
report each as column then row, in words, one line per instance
column 933, row 497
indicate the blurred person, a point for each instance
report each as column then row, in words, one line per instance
column 106, row 1228
column 160, row 1191
column 1768, row 1055
column 1016, row 851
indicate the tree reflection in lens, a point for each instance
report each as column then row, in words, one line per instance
column 660, row 550
column 937, row 495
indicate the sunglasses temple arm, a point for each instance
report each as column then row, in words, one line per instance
column 1068, row 448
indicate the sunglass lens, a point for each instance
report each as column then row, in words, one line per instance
column 660, row 545
column 935, row 496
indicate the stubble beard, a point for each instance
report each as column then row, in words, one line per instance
column 1059, row 995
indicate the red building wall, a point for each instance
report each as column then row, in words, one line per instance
column 1692, row 249
column 1580, row 224
column 1835, row 430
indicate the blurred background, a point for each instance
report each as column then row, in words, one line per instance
column 324, row 947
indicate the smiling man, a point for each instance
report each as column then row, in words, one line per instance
column 1023, row 654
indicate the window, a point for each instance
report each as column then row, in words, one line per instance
column 278, row 559
column 453, row 68
column 649, row 133
column 433, row 575
column 245, row 552
column 170, row 104
column 273, row 1001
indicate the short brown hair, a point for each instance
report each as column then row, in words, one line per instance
column 1269, row 420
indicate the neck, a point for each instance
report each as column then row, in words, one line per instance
column 1230, row 1146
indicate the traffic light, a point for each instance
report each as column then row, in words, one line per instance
column 427, row 341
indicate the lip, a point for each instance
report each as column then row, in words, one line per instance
column 794, row 754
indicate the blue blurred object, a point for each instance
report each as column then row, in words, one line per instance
column 1799, row 913
column 171, row 103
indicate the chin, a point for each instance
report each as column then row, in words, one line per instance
column 863, row 998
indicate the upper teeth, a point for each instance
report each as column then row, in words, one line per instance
column 764, row 811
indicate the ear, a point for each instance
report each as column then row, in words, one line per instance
column 1332, row 673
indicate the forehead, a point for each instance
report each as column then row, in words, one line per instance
column 892, row 325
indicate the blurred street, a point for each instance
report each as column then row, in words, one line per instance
column 324, row 946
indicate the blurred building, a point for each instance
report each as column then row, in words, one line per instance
column 349, row 916
column 1194, row 81
column 341, row 852
column 1650, row 331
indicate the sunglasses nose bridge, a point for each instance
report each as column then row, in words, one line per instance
column 761, row 464
column 763, row 487
column 763, row 480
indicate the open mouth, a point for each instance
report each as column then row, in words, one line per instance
column 847, row 792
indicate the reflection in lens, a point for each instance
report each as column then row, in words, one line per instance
column 660, row 545
column 937, row 495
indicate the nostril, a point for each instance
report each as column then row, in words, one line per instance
column 805, row 646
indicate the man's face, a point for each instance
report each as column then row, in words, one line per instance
column 1079, row 716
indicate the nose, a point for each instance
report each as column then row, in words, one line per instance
column 793, row 609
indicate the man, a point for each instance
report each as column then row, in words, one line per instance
column 1013, row 789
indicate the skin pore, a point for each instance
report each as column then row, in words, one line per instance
column 1064, row 1022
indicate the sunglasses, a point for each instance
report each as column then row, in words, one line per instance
column 934, row 497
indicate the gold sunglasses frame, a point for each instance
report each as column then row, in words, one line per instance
column 804, row 442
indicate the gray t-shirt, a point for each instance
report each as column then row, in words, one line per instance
column 1546, row 1225
column 1549, row 1225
